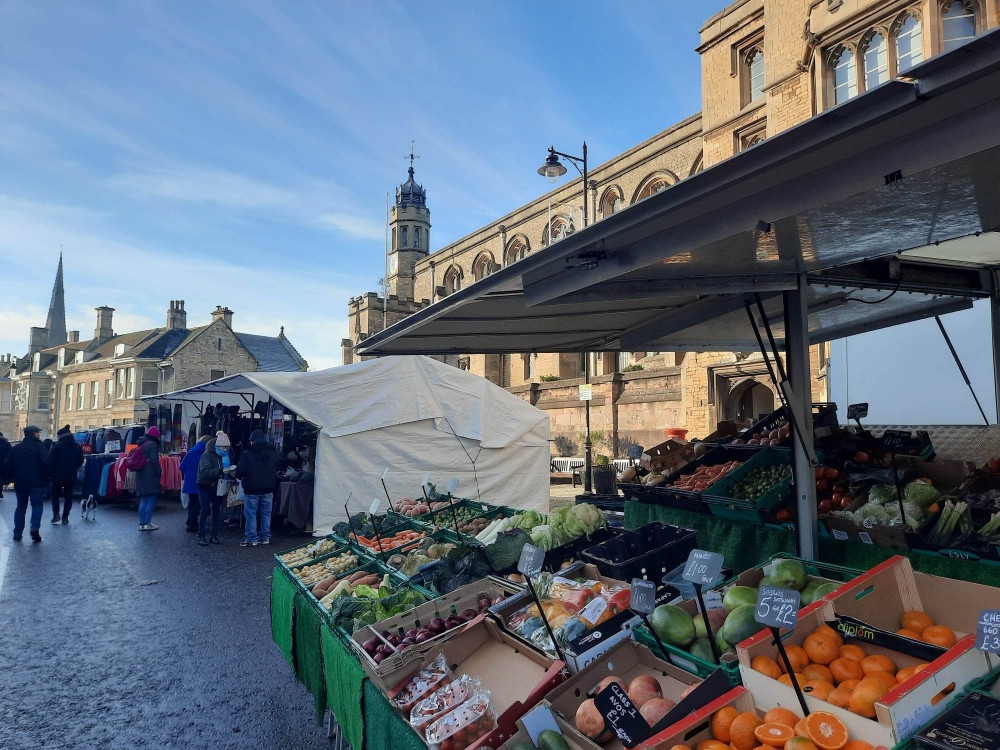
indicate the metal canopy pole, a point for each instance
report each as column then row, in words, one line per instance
column 995, row 319
column 799, row 393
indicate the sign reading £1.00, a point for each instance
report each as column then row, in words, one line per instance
column 586, row 392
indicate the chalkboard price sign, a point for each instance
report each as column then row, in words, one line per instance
column 643, row 598
column 777, row 608
column 531, row 561
column 896, row 440
column 634, row 452
column 702, row 567
column 988, row 631
column 857, row 411
column 621, row 715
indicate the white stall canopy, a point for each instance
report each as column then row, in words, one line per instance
column 412, row 415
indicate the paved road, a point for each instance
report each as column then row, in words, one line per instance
column 112, row 638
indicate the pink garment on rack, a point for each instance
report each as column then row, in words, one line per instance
column 170, row 474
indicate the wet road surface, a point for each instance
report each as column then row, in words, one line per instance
column 112, row 638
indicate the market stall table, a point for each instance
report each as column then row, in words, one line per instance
column 296, row 503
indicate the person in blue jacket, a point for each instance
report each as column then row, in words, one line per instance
column 189, row 467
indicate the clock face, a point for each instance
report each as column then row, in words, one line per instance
column 393, row 263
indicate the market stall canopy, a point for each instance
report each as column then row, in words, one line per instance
column 412, row 415
column 892, row 198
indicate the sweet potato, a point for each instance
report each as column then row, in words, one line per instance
column 368, row 580
column 358, row 576
column 326, row 583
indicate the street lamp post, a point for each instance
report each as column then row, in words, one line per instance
column 553, row 169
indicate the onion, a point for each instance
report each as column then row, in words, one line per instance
column 469, row 614
column 421, row 637
column 484, row 603
column 411, row 634
column 406, row 642
column 436, row 626
column 369, row 646
column 378, row 658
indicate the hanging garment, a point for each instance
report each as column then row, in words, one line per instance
column 102, row 487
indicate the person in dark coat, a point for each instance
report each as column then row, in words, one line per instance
column 28, row 465
column 257, row 469
column 189, row 467
column 147, row 479
column 4, row 452
column 65, row 457
column 213, row 465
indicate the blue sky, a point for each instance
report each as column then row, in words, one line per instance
column 239, row 153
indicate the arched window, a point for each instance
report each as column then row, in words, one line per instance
column 403, row 240
column 909, row 47
column 416, row 236
column 845, row 76
column 483, row 266
column 653, row 184
column 560, row 227
column 452, row 280
column 394, row 236
column 611, row 201
column 755, row 73
column 699, row 164
column 958, row 24
column 875, row 58
column 517, row 248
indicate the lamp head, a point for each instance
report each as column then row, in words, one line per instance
column 552, row 169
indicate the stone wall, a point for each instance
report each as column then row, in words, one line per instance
column 215, row 348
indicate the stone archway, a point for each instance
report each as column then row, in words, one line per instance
column 748, row 401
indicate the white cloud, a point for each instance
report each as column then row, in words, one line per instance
column 353, row 225
column 201, row 185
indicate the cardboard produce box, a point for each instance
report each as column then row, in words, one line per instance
column 516, row 675
column 539, row 718
column 900, row 712
column 627, row 660
column 667, row 456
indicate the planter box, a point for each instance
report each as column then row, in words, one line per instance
column 899, row 713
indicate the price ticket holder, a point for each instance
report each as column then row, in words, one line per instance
column 530, row 565
column 385, row 473
column 988, row 631
column 779, row 608
column 892, row 441
column 349, row 522
column 372, row 510
column 450, row 488
column 702, row 569
column 642, row 601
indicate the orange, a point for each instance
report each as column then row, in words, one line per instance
column 864, row 696
column 712, row 745
column 796, row 656
column 915, row 620
column 886, row 678
column 800, row 728
column 840, row 697
column 852, row 652
column 826, row 731
column 877, row 663
column 817, row 672
column 857, row 745
column 680, row 747
column 843, row 668
column 799, row 743
column 850, row 684
column 939, row 635
column 781, row 716
column 741, row 731
column 766, row 665
column 818, row 688
column 904, row 674
column 831, row 634
column 918, row 667
column 908, row 634
column 720, row 723
column 774, row 735
column 821, row 648
column 785, row 679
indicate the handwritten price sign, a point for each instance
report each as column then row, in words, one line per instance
column 988, row 631
column 702, row 567
column 777, row 608
column 621, row 715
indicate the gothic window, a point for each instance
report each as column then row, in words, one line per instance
column 559, row 228
column 958, row 23
column 483, row 266
column 755, row 73
column 516, row 250
column 452, row 280
column 875, row 58
column 654, row 183
column 845, row 76
column 394, row 236
column 751, row 135
column 416, row 236
column 403, row 240
column 611, row 201
column 909, row 47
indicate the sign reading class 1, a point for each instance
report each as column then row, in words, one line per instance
column 621, row 715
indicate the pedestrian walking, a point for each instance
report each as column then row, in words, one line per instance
column 189, row 467
column 4, row 452
column 65, row 458
column 147, row 477
column 214, row 468
column 28, row 465
column 257, row 470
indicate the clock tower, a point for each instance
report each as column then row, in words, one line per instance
column 410, row 228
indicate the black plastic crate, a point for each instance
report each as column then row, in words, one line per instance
column 650, row 551
column 555, row 559
column 823, row 415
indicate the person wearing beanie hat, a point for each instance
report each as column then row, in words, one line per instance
column 214, row 469
column 65, row 458
column 258, row 470
column 28, row 465
column 147, row 479
column 189, row 468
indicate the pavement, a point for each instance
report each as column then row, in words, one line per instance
column 114, row 638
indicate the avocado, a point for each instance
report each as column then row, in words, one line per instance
column 550, row 740
column 528, row 745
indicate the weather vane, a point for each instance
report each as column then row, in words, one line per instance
column 412, row 156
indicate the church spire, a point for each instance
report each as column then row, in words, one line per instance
column 55, row 323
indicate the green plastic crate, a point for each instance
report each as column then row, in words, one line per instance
column 813, row 567
column 307, row 587
column 984, row 683
column 686, row 661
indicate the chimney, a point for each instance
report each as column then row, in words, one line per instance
column 176, row 316
column 38, row 339
column 224, row 314
column 103, row 332
column 74, row 337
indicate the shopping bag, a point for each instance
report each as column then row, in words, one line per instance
column 222, row 487
column 235, row 496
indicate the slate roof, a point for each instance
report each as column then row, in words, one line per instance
column 273, row 353
column 169, row 341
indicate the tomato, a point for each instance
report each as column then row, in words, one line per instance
column 825, row 506
column 820, row 473
column 822, row 485
column 862, row 458
column 845, row 501
column 837, row 497
column 448, row 744
column 832, row 474
column 784, row 515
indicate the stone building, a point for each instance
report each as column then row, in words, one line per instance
column 99, row 382
column 767, row 65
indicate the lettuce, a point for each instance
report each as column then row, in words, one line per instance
column 920, row 493
column 504, row 553
column 542, row 537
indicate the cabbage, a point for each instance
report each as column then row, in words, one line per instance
column 882, row 493
column 873, row 514
column 541, row 537
column 922, row 494
column 528, row 520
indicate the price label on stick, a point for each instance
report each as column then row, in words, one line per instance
column 426, row 480
column 895, row 441
column 988, row 631
column 702, row 567
column 531, row 561
column 857, row 411
column 452, row 485
column 373, row 509
column 385, row 473
column 621, row 715
column 777, row 608
column 643, row 599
